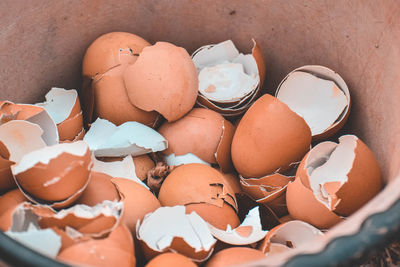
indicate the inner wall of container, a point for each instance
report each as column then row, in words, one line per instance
column 42, row 45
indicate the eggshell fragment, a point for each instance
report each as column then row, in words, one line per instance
column 138, row 201
column 188, row 158
column 343, row 176
column 131, row 138
column 203, row 133
column 163, row 79
column 268, row 138
column 319, row 95
column 219, row 87
column 234, row 256
column 291, row 234
column 187, row 234
column 249, row 231
column 8, row 203
column 170, row 259
column 54, row 173
column 115, row 250
column 143, row 164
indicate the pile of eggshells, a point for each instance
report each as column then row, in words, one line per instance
column 182, row 160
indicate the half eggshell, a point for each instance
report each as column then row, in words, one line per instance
column 234, row 256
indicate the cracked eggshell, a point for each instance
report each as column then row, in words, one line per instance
column 187, row 234
column 110, row 50
column 115, row 250
column 138, row 201
column 343, row 176
column 290, row 234
column 64, row 108
column 234, row 256
column 248, row 232
column 131, row 138
column 269, row 137
column 100, row 188
column 164, row 79
column 319, row 95
column 143, row 164
column 203, row 133
column 8, row 203
column 54, row 173
column 6, row 178
column 170, row 259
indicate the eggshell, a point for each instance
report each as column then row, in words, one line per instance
column 343, row 176
column 100, row 188
column 115, row 250
column 143, row 164
column 8, row 111
column 232, row 180
column 234, row 256
column 70, row 128
column 248, row 232
column 54, row 173
column 291, row 234
column 6, row 178
column 138, row 201
column 163, row 79
column 302, row 205
column 187, row 234
column 326, row 110
column 111, row 49
column 196, row 183
column 112, row 103
column 131, row 138
column 203, row 133
column 269, row 137
column 170, row 259
column 8, row 203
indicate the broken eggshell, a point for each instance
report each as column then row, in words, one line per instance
column 163, row 79
column 341, row 177
column 131, row 138
column 229, row 81
column 319, row 95
column 201, row 134
column 187, row 234
column 234, row 256
column 170, row 259
column 248, row 232
column 54, row 174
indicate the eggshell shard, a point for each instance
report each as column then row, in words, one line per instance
column 124, row 168
column 268, row 138
column 234, row 256
column 343, row 176
column 319, row 95
column 168, row 87
column 111, row 49
column 187, row 234
column 188, row 158
column 6, row 178
column 291, row 234
column 219, row 88
column 54, row 173
column 115, row 250
column 131, row 138
column 8, row 203
column 249, row 231
column 170, row 259
column 201, row 133
column 138, row 201
column 143, row 164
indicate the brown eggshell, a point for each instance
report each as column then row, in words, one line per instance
column 6, row 178
column 234, row 256
column 233, row 180
column 219, row 217
column 70, row 128
column 199, row 132
column 143, row 164
column 64, row 175
column 269, row 137
column 112, row 102
column 302, row 205
column 163, row 79
column 138, row 201
column 196, row 183
column 170, row 259
column 8, row 202
column 100, row 188
column 116, row 250
column 109, row 50
column 223, row 154
column 80, row 135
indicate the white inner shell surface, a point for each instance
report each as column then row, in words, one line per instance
column 330, row 162
column 188, row 158
column 225, row 75
column 320, row 102
column 159, row 228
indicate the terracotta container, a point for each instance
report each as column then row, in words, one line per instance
column 42, row 45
